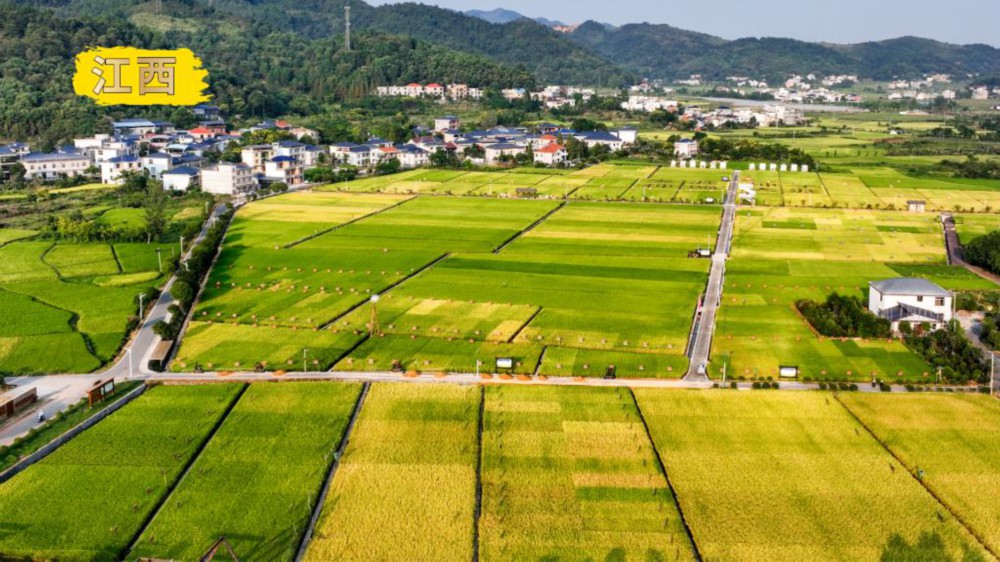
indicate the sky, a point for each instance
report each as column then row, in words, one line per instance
column 835, row 21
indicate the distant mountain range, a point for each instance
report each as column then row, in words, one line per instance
column 501, row 15
column 591, row 53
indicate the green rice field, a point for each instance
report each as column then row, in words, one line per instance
column 77, row 297
column 437, row 471
column 258, row 480
column 462, row 280
column 88, row 499
column 783, row 255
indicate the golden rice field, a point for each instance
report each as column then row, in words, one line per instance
column 954, row 440
column 836, row 234
column 570, row 474
column 792, row 476
column 406, row 486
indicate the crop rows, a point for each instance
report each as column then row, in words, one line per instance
column 257, row 481
column 405, row 489
column 88, row 499
column 569, row 473
column 791, row 476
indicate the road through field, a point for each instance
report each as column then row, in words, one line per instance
column 705, row 322
column 954, row 247
column 58, row 392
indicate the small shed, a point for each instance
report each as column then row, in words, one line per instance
column 101, row 390
column 158, row 359
column 916, row 206
column 12, row 402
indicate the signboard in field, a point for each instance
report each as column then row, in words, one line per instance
column 788, row 372
column 505, row 363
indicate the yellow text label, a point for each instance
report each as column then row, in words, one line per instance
column 130, row 76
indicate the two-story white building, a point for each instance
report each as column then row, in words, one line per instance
column 912, row 300
column 551, row 155
column 228, row 178
column 51, row 166
column 686, row 148
column 442, row 124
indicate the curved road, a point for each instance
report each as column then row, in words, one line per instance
column 58, row 392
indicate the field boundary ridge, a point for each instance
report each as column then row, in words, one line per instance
column 61, row 440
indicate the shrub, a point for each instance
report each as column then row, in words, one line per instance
column 822, row 386
column 844, row 316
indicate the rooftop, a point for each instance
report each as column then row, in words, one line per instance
column 182, row 171
column 909, row 286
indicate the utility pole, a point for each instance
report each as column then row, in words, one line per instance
column 304, row 351
column 159, row 260
column 141, row 296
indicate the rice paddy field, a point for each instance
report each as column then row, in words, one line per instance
column 953, row 440
column 835, row 234
column 258, row 480
column 783, row 255
column 67, row 304
column 792, row 476
column 406, row 487
column 461, row 280
column 437, row 471
column 88, row 499
column 969, row 227
column 570, row 474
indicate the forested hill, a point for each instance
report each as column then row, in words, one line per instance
column 253, row 70
column 547, row 54
column 667, row 52
column 594, row 54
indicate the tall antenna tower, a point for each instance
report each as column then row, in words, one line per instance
column 347, row 28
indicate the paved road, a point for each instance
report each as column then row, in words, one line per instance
column 57, row 392
column 705, row 328
column 468, row 378
column 955, row 250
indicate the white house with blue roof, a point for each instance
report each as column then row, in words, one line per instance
column 55, row 165
column 912, row 300
column 113, row 168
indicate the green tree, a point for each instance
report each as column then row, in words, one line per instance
column 155, row 206
column 183, row 292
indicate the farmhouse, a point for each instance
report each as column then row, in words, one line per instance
column 180, row 178
column 445, row 123
column 112, row 169
column 912, row 300
column 685, row 148
column 9, row 155
column 551, row 155
column 595, row 138
column 494, row 152
column 228, row 178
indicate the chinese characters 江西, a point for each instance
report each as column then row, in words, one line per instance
column 130, row 76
